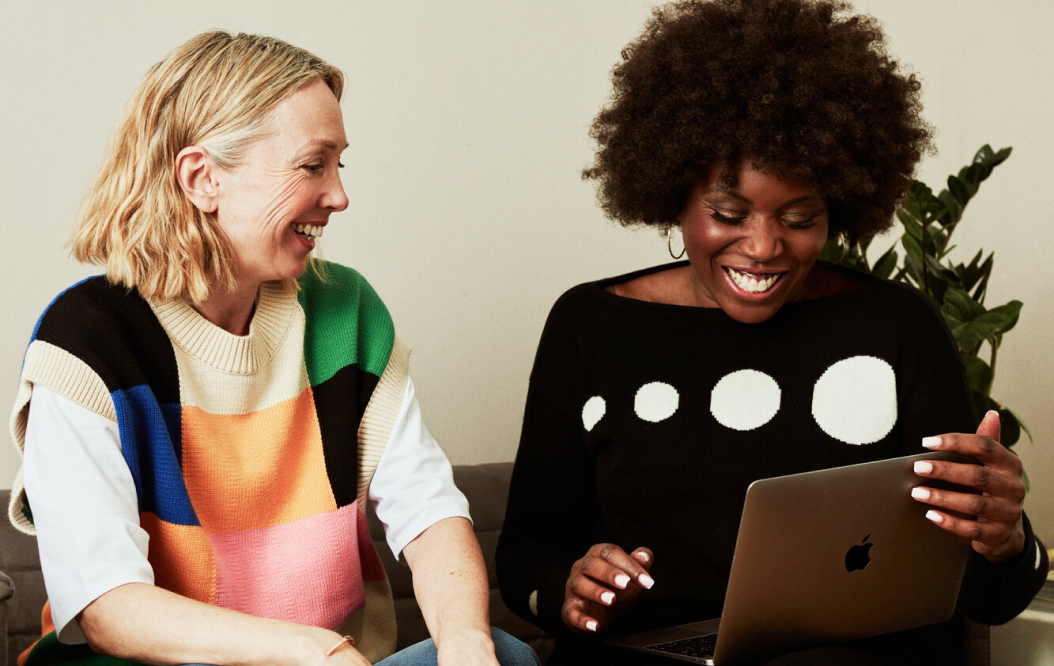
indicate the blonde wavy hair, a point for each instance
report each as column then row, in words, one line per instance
column 213, row 91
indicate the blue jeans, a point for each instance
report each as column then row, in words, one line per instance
column 510, row 652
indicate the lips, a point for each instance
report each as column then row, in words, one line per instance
column 754, row 283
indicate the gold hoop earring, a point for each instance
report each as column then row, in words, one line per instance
column 843, row 242
column 669, row 245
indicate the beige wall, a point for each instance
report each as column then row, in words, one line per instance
column 468, row 126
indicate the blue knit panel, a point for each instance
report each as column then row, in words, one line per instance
column 151, row 440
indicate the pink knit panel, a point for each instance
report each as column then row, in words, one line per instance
column 306, row 571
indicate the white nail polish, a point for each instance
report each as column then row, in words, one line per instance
column 591, row 625
column 934, row 516
column 644, row 556
column 621, row 581
column 608, row 598
column 645, row 581
column 920, row 493
column 923, row 467
column 931, row 442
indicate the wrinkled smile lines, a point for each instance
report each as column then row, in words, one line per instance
column 753, row 283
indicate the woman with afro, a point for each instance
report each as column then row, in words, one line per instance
column 751, row 131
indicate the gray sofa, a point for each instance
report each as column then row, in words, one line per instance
column 487, row 487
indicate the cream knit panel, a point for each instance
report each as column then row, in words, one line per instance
column 66, row 375
column 378, row 420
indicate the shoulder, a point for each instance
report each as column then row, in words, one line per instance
column 97, row 319
column 329, row 290
column 346, row 321
column 92, row 305
column 645, row 285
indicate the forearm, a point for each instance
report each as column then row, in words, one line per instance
column 150, row 625
column 450, row 581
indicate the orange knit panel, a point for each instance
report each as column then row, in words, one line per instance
column 181, row 557
column 47, row 625
column 265, row 468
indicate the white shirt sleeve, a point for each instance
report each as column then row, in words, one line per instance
column 413, row 486
column 85, row 508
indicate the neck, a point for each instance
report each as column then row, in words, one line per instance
column 231, row 310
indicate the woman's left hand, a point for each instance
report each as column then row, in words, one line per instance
column 998, row 533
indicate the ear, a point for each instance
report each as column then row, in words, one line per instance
column 195, row 173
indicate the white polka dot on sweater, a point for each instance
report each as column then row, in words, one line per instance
column 855, row 400
column 745, row 400
column 656, row 402
column 593, row 411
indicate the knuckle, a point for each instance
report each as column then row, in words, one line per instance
column 978, row 504
column 1017, row 493
column 989, row 445
column 1015, row 512
column 973, row 531
column 606, row 549
column 981, row 476
column 1016, row 466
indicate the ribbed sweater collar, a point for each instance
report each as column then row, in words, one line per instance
column 276, row 306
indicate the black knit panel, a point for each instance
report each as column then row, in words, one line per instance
column 340, row 402
column 115, row 332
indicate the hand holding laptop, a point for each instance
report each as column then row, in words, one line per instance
column 603, row 584
column 998, row 533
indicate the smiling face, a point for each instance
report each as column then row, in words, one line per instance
column 751, row 245
column 274, row 205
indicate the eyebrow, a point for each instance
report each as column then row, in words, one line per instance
column 740, row 197
column 326, row 143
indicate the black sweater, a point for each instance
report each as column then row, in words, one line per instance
column 645, row 423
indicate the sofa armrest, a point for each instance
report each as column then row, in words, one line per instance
column 7, row 589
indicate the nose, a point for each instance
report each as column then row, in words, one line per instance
column 763, row 240
column 333, row 196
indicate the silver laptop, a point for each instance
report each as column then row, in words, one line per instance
column 825, row 556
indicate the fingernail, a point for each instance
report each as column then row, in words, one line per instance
column 934, row 516
column 931, row 442
column 920, row 493
column 645, row 581
column 608, row 598
column 644, row 556
column 591, row 625
column 621, row 581
column 990, row 412
column 923, row 467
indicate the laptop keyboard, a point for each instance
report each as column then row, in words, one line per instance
column 696, row 646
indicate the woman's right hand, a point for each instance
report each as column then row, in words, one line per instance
column 602, row 585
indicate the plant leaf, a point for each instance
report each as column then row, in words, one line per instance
column 886, row 263
column 1019, row 420
column 982, row 404
column 1009, row 428
column 979, row 373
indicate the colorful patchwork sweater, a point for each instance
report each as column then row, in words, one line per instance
column 251, row 456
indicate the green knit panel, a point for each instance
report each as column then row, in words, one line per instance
column 49, row 651
column 347, row 324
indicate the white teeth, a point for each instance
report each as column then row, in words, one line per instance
column 751, row 283
column 309, row 231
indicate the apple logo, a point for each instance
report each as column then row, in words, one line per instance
column 858, row 557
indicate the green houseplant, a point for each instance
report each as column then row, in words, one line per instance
column 959, row 289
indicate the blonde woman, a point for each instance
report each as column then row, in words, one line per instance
column 203, row 426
